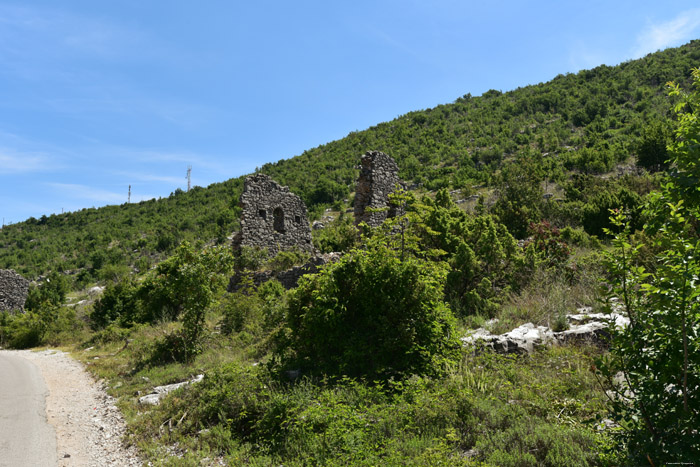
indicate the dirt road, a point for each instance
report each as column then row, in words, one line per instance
column 84, row 426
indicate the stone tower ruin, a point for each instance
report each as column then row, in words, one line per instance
column 379, row 177
column 273, row 217
column 13, row 291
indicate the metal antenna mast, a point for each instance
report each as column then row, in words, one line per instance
column 129, row 199
column 189, row 176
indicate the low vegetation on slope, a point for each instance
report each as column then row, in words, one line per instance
column 362, row 364
column 583, row 124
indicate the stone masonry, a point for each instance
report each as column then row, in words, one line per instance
column 273, row 217
column 13, row 290
column 379, row 176
column 289, row 278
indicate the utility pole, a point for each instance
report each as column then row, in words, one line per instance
column 129, row 198
column 189, row 177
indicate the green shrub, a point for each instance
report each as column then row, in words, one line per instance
column 185, row 284
column 51, row 293
column 242, row 311
column 118, row 303
column 658, row 402
column 21, row 330
column 579, row 237
column 287, row 259
column 370, row 314
column 250, row 258
column 46, row 325
column 339, row 235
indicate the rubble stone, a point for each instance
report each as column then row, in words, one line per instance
column 583, row 327
column 289, row 278
column 379, row 177
column 273, row 217
column 13, row 291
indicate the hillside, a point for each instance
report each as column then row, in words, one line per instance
column 532, row 302
column 584, row 123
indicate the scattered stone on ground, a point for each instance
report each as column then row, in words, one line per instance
column 583, row 327
column 97, row 290
column 160, row 391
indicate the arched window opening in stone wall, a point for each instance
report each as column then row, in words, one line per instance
column 392, row 212
column 278, row 219
column 262, row 227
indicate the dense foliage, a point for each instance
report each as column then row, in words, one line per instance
column 361, row 363
column 371, row 315
column 658, row 354
column 586, row 122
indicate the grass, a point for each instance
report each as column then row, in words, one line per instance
column 551, row 294
column 487, row 409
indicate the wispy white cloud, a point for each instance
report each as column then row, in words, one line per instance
column 582, row 57
column 658, row 36
column 146, row 177
column 129, row 102
column 87, row 193
column 12, row 162
column 29, row 31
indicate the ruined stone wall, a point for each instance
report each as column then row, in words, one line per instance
column 379, row 176
column 273, row 217
column 289, row 278
column 13, row 290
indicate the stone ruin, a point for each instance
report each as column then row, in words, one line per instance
column 379, row 177
column 273, row 217
column 289, row 278
column 13, row 291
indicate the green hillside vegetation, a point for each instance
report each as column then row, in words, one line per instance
column 584, row 123
column 362, row 363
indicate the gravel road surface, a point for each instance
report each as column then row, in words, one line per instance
column 84, row 426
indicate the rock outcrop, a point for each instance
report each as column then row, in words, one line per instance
column 379, row 177
column 583, row 327
column 161, row 391
column 273, row 217
column 13, row 291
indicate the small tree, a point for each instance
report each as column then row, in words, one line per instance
column 653, row 152
column 520, row 194
column 658, row 353
column 185, row 284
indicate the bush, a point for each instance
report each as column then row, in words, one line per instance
column 371, row 315
column 548, row 244
column 51, row 293
column 287, row 259
column 185, row 284
column 658, row 352
column 46, row 325
column 118, row 303
column 21, row 331
column 339, row 235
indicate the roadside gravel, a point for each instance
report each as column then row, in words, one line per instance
column 89, row 427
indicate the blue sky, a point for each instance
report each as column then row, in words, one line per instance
column 96, row 96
